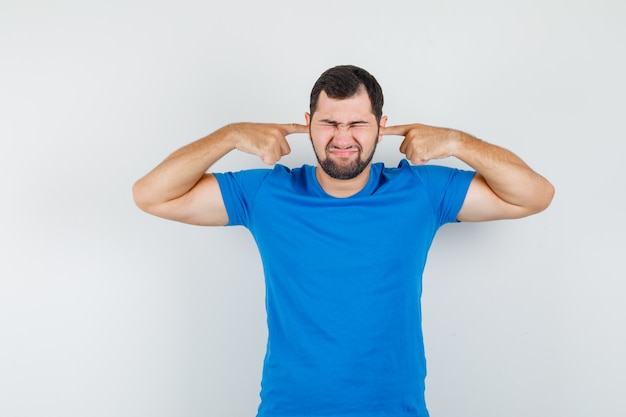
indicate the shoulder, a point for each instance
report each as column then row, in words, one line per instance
column 426, row 173
column 254, row 178
column 437, row 173
column 433, row 180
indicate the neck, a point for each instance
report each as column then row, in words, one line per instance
column 342, row 188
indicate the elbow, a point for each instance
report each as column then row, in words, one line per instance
column 140, row 196
column 543, row 197
column 550, row 194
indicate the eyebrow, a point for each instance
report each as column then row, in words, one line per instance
column 334, row 122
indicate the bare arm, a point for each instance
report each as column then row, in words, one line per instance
column 504, row 186
column 180, row 189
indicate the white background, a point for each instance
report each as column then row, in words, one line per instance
column 107, row 311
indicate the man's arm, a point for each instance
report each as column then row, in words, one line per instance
column 179, row 187
column 504, row 186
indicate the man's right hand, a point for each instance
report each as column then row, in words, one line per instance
column 266, row 140
column 180, row 189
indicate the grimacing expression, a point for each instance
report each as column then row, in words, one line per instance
column 344, row 134
column 346, row 169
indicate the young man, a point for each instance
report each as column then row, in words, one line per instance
column 343, row 244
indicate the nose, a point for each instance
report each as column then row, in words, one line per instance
column 343, row 136
column 343, row 127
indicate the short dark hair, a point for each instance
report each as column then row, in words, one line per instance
column 344, row 81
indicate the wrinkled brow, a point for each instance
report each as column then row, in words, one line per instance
column 335, row 123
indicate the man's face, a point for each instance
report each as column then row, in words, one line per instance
column 344, row 134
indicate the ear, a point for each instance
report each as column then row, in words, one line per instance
column 307, row 118
column 383, row 123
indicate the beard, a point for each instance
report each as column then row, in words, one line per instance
column 346, row 170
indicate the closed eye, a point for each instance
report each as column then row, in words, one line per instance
column 332, row 123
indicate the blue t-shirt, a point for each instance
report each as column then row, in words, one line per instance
column 343, row 284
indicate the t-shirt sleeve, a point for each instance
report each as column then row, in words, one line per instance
column 239, row 190
column 447, row 188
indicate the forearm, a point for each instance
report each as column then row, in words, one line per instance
column 182, row 170
column 510, row 178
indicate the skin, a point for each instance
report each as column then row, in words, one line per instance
column 180, row 189
column 338, row 130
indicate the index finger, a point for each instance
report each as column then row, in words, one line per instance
column 290, row 128
column 398, row 130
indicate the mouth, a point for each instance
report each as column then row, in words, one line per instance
column 343, row 152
